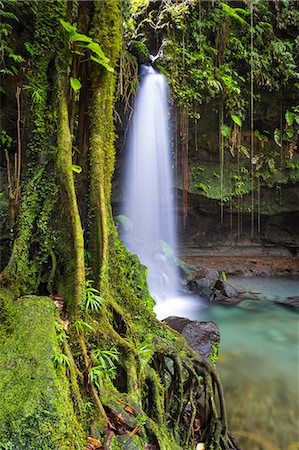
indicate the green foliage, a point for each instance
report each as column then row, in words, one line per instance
column 144, row 351
column 86, row 43
column 6, row 140
column 105, row 368
column 36, row 95
column 60, row 360
column 215, row 350
column 9, row 59
column 80, row 326
column 225, row 130
column 237, row 120
column 91, row 299
column 289, row 135
column 76, row 168
column 133, row 272
column 140, row 50
column 234, row 13
column 75, row 84
column 223, row 275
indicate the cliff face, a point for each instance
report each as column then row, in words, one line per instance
column 232, row 71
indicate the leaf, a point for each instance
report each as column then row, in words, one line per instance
column 130, row 410
column 225, row 130
column 8, row 14
column 80, row 325
column 76, row 85
column 277, row 137
column 290, row 118
column 290, row 133
column 80, row 37
column 29, row 47
column 95, row 47
column 271, row 164
column 102, row 63
column 231, row 150
column 72, row 29
column 77, row 169
column 223, row 275
column 244, row 150
column 16, row 58
column 237, row 120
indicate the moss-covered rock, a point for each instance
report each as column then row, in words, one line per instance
column 36, row 410
column 140, row 51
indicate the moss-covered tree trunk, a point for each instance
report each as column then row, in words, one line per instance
column 106, row 31
column 129, row 379
column 68, row 196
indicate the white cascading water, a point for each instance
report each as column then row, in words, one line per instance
column 148, row 198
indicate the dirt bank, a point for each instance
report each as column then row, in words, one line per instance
column 243, row 261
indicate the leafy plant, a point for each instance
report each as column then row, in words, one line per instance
column 237, row 120
column 105, row 368
column 6, row 140
column 75, row 84
column 76, row 169
column 36, row 94
column 86, row 43
column 144, row 351
column 225, row 130
column 61, row 360
column 9, row 60
column 80, row 326
column 92, row 299
column 60, row 332
column 223, row 275
column 88, row 406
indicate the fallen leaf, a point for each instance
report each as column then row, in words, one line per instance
column 130, row 410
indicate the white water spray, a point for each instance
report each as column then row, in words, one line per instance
column 149, row 203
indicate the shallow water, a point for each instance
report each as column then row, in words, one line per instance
column 259, row 362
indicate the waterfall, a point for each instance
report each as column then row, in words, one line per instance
column 148, row 197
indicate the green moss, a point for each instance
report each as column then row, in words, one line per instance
column 36, row 411
column 215, row 352
column 140, row 51
column 105, row 31
column 126, row 443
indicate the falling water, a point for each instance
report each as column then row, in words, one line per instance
column 149, row 201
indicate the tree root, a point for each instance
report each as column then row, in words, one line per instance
column 179, row 398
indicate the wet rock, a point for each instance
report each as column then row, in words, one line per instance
column 290, row 302
column 212, row 286
column 203, row 337
column 228, row 290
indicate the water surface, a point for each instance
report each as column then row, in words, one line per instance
column 259, row 359
column 259, row 363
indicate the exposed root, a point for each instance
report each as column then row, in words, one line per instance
column 93, row 388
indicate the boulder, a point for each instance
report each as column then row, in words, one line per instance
column 209, row 283
column 202, row 337
column 290, row 302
